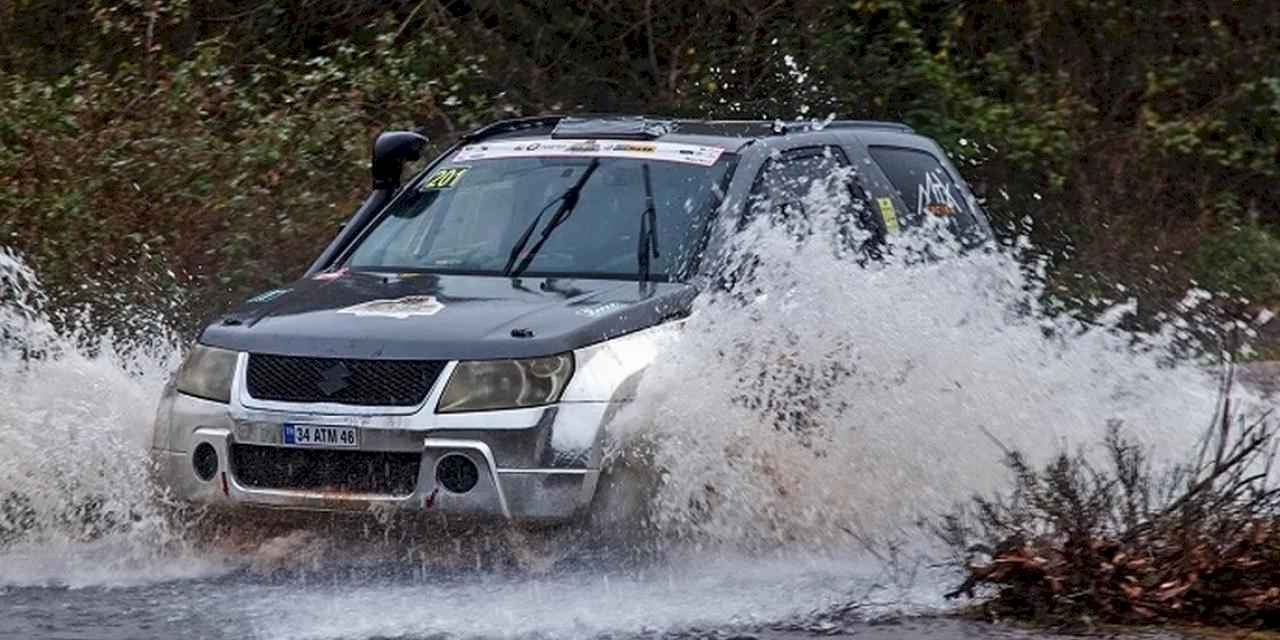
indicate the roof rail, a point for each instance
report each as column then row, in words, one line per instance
column 869, row 124
column 792, row 126
column 782, row 127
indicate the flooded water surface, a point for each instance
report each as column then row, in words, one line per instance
column 835, row 406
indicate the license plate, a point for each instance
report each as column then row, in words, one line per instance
column 310, row 435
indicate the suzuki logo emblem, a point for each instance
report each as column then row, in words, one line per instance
column 334, row 379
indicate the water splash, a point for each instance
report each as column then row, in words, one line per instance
column 76, row 506
column 836, row 405
column 694, row 591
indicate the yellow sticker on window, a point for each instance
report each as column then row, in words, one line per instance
column 444, row 178
column 890, row 216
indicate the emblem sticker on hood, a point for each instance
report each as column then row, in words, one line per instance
column 398, row 308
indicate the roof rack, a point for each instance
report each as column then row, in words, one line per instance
column 508, row 126
column 735, row 128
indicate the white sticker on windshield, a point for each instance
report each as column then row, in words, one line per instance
column 398, row 308
column 662, row 151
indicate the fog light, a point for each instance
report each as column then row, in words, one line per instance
column 457, row 473
column 204, row 460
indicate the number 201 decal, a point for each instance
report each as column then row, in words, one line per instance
column 444, row 178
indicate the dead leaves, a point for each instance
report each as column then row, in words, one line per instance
column 1165, row 575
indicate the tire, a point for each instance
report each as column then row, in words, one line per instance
column 621, row 508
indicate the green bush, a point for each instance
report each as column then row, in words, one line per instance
column 232, row 178
column 224, row 140
column 1241, row 260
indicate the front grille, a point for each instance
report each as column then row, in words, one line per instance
column 370, row 472
column 384, row 383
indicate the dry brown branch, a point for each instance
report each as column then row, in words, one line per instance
column 1073, row 542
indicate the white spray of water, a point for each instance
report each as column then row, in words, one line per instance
column 838, row 404
column 834, row 403
column 76, row 506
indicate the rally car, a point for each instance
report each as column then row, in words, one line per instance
column 465, row 341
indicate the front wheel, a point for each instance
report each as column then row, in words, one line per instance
column 622, row 507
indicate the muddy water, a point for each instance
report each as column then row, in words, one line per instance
column 834, row 407
column 767, row 601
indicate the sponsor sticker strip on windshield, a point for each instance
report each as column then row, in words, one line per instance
column 663, row 151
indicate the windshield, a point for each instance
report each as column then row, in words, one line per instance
column 582, row 215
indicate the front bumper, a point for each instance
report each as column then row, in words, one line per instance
column 539, row 495
column 537, row 465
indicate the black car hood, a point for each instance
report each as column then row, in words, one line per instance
column 443, row 317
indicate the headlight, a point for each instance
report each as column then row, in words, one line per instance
column 207, row 373
column 479, row 385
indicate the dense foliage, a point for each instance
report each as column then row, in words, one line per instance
column 225, row 139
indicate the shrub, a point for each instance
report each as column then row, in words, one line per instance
column 1243, row 260
column 223, row 140
column 1074, row 542
column 204, row 179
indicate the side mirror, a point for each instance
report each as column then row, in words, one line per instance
column 390, row 153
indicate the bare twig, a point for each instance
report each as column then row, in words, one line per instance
column 1072, row 539
column 405, row 25
column 148, row 42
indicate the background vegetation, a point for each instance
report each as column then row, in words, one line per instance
column 224, row 140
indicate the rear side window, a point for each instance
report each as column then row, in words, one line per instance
column 924, row 185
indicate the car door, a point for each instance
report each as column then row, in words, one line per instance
column 798, row 187
column 806, row 187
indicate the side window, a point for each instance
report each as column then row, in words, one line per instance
column 924, row 184
column 789, row 185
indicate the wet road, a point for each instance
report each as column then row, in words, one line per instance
column 75, row 429
column 176, row 611
column 730, row 598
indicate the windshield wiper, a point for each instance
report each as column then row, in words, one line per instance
column 648, row 228
column 568, row 200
